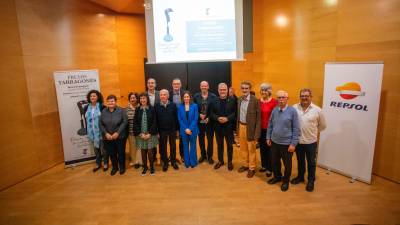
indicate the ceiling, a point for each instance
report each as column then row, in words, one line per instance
column 123, row 6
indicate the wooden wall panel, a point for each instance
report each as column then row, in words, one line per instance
column 40, row 37
column 131, row 47
column 374, row 35
column 293, row 57
column 19, row 160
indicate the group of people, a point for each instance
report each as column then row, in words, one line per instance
column 157, row 118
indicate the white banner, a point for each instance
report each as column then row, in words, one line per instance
column 351, row 106
column 72, row 88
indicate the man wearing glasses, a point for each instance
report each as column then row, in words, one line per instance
column 282, row 135
column 249, row 127
column 312, row 121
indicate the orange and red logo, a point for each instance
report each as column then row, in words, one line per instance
column 350, row 90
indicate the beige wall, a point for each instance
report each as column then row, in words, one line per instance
column 44, row 36
column 293, row 57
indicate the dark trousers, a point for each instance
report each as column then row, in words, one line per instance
column 150, row 153
column 206, row 129
column 168, row 136
column 265, row 151
column 221, row 133
column 281, row 152
column 116, row 150
column 181, row 148
column 309, row 152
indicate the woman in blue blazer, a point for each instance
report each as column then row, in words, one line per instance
column 188, row 115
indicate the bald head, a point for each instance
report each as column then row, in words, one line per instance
column 204, row 87
column 282, row 97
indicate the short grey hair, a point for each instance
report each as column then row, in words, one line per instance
column 265, row 86
column 164, row 90
column 222, row 84
column 282, row 92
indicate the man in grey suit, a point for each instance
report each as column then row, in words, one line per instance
column 154, row 95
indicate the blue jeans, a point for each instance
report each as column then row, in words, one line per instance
column 189, row 149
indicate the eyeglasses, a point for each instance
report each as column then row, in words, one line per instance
column 305, row 96
column 281, row 97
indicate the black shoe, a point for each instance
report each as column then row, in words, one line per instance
column 297, row 180
column 175, row 166
column 242, row 169
column 268, row 173
column 105, row 169
column 136, row 166
column 121, row 171
column 165, row 168
column 144, row 172
column 113, row 172
column 273, row 180
column 96, row 168
column 210, row 161
column 262, row 170
column 310, row 186
column 230, row 166
column 251, row 173
column 285, row 186
column 202, row 158
column 152, row 171
column 218, row 165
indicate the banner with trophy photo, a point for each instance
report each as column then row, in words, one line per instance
column 72, row 88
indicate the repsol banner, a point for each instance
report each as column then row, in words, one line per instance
column 72, row 88
column 351, row 106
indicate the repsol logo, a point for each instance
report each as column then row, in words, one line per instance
column 346, row 105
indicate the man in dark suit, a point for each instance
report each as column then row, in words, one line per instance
column 249, row 128
column 154, row 97
column 203, row 99
column 168, row 126
column 223, row 112
column 175, row 96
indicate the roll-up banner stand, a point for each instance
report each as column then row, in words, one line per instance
column 72, row 87
column 351, row 106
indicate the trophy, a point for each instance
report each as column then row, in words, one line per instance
column 81, row 105
column 203, row 110
column 168, row 37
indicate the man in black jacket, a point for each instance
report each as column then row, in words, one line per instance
column 203, row 99
column 223, row 112
column 167, row 119
column 175, row 96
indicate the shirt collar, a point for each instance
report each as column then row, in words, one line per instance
column 282, row 110
column 308, row 108
column 165, row 103
column 247, row 98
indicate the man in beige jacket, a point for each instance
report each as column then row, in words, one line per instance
column 248, row 125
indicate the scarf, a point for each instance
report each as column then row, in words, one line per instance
column 92, row 125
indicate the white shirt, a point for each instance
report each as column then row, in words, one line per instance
column 311, row 122
column 243, row 109
column 152, row 98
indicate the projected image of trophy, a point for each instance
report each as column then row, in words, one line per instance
column 81, row 105
column 168, row 37
column 203, row 111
